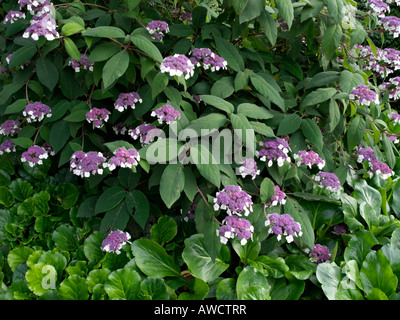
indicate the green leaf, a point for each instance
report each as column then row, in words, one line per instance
column 365, row 193
column 142, row 207
column 86, row 209
column 349, row 80
column 316, row 97
column 218, row 103
column 239, row 5
column 376, row 272
column 355, row 132
column 230, row 53
column 154, row 289
column 104, row 51
column 331, row 39
column 71, row 48
column 71, row 28
column 6, row 197
column 153, row 260
column 59, row 135
column 147, row 47
column 252, row 285
column 226, row 289
column 38, row 275
column 180, row 30
column 172, row 183
column 267, row 90
column 286, row 10
column 105, row 32
column 17, row 256
column 199, row 262
column 74, row 288
column 269, row 27
column 329, row 275
column 223, row 88
column 164, row 230
column 66, row 237
column 206, row 164
column 212, row 242
column 92, row 247
column 47, row 73
column 21, row 189
column 289, row 124
column 312, row 132
column 16, row 106
column 323, row 78
column 251, row 11
column 267, row 190
column 161, row 151
column 115, row 68
column 336, row 9
column 200, row 290
column 190, row 187
column 22, row 56
column 207, row 123
column 159, row 83
column 253, row 111
column 114, row 145
column 359, row 246
column 109, row 199
column 123, row 284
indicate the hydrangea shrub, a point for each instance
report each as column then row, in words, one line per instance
column 193, row 146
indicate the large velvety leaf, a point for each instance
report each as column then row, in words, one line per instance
column 230, row 53
column 267, row 90
column 109, row 199
column 286, row 10
column 206, row 164
column 172, row 183
column 153, row 260
column 115, row 68
column 147, row 47
column 74, row 288
column 312, row 132
column 199, row 261
column 47, row 73
column 105, row 32
column 123, row 284
column 252, row 285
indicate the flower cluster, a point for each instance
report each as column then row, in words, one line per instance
column 157, row 29
column 126, row 100
column 395, row 117
column 235, row 226
column 283, row 225
column 328, row 180
column 13, row 16
column 274, row 150
column 177, row 65
column 83, row 63
column 10, row 127
column 7, row 146
column 123, row 158
column 375, row 166
column 207, row 58
column 378, row 8
column 38, row 7
column 391, row 24
column 36, row 112
column 84, row 164
column 191, row 212
column 97, row 116
column 119, row 128
column 249, row 168
column 363, row 96
column 234, row 200
column 381, row 63
column 166, row 114
column 392, row 86
column 186, row 16
column 277, row 198
column 320, row 254
column 146, row 133
column 308, row 158
column 34, row 155
column 115, row 241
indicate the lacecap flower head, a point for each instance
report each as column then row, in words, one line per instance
column 308, row 158
column 42, row 25
column 391, row 24
column 249, row 168
column 96, row 116
column 115, row 241
column 126, row 100
column 177, row 65
column 328, row 180
column 363, row 96
column 10, row 127
column 124, row 158
column 36, row 112
column 85, row 164
column 235, row 227
column 166, row 114
column 283, row 225
column 208, row 59
column 157, row 29
column 7, row 147
column 146, row 133
column 274, row 150
column 320, row 254
column 277, row 198
column 234, row 200
column 34, row 156
column 83, row 63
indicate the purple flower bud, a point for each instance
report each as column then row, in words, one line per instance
column 115, row 241
column 34, row 155
column 234, row 200
column 83, row 63
column 320, row 254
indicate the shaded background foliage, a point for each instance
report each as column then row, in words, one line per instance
column 291, row 68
